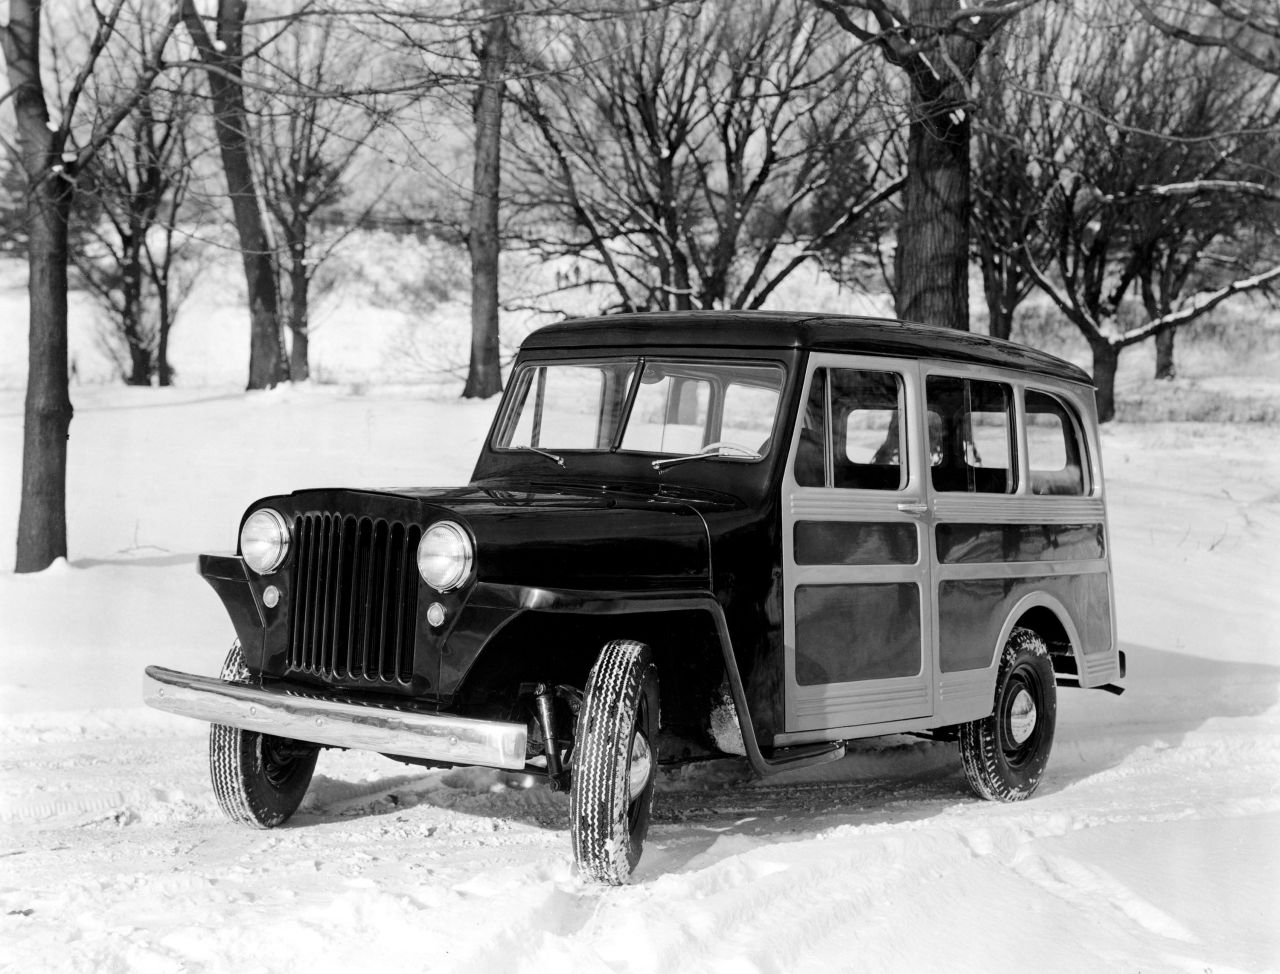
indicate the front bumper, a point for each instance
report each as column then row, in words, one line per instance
column 435, row 737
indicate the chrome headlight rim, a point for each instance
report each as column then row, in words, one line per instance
column 275, row 532
column 459, row 556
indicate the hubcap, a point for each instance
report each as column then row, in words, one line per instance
column 1022, row 717
column 641, row 766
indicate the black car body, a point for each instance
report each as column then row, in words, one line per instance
column 783, row 519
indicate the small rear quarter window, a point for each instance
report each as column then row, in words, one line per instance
column 1054, row 455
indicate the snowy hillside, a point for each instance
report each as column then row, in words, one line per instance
column 1153, row 844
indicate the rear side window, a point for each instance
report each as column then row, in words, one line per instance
column 1055, row 460
column 851, row 434
column 970, row 435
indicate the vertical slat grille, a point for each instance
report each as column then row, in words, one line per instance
column 355, row 593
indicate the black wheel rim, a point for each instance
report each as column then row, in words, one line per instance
column 1016, row 743
column 282, row 766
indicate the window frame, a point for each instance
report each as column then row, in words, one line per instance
column 509, row 420
column 1075, row 428
column 819, row 368
column 1015, row 429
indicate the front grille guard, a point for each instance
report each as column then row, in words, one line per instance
column 353, row 614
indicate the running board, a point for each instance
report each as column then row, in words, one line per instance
column 802, row 756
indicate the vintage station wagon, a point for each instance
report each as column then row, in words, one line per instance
column 686, row 535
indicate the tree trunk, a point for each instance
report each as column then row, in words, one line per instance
column 42, row 514
column 132, row 311
column 163, row 371
column 484, row 377
column 932, row 266
column 42, row 517
column 999, row 285
column 231, row 125
column 139, row 366
column 932, row 259
column 1106, row 357
column 1165, row 367
column 299, row 318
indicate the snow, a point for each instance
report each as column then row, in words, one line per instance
column 1152, row 845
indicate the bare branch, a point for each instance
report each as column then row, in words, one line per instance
column 1247, row 22
column 1198, row 306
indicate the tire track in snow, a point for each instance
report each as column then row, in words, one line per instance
column 1087, row 887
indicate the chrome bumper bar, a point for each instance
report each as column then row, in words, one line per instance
column 436, row 737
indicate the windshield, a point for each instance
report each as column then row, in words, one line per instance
column 670, row 407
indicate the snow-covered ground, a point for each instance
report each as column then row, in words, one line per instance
column 1153, row 844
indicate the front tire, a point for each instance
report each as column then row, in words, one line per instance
column 615, row 763
column 259, row 780
column 1005, row 754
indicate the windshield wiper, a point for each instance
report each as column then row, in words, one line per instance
column 717, row 449
column 541, row 453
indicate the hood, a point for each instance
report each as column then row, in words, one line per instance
column 552, row 537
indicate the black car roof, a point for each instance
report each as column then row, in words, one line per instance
column 797, row 330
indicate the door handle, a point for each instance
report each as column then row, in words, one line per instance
column 914, row 507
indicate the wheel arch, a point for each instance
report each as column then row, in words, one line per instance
column 1044, row 614
column 682, row 637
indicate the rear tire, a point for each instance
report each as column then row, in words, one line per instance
column 1005, row 754
column 259, row 780
column 615, row 763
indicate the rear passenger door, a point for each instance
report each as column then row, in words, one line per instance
column 858, row 629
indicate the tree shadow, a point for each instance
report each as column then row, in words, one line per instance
column 478, row 792
column 168, row 560
column 85, row 409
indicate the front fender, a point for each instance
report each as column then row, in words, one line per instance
column 507, row 602
column 229, row 577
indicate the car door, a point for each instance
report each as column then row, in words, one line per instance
column 857, row 620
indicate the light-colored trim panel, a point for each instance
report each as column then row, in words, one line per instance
column 955, row 689
column 1096, row 669
column 855, row 574
column 1019, row 569
column 845, row 504
column 1008, row 509
column 853, row 732
column 872, row 700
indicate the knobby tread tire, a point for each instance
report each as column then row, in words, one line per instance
column 990, row 772
column 237, row 767
column 608, row 832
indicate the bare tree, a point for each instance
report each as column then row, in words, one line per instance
column 52, row 154
column 136, row 189
column 1014, row 119
column 1160, row 167
column 494, row 52
column 313, row 110
column 222, row 54
column 687, row 154
column 464, row 55
column 937, row 44
column 1250, row 31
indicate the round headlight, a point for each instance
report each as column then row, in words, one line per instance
column 444, row 556
column 264, row 540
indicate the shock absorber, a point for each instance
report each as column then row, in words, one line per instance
column 544, row 700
